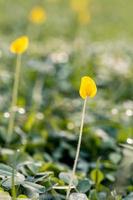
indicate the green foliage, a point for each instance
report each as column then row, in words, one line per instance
column 97, row 176
column 84, row 185
column 21, row 196
column 48, row 110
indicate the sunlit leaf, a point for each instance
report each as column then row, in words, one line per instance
column 97, row 176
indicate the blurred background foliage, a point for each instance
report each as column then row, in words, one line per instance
column 83, row 38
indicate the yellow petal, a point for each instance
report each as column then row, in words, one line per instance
column 37, row 15
column 87, row 87
column 20, row 45
column 84, row 17
column 79, row 5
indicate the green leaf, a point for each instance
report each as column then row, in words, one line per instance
column 110, row 177
column 102, row 196
column 66, row 178
column 78, row 196
column 5, row 170
column 1, row 189
column 84, row 186
column 97, row 176
column 6, row 174
column 115, row 158
column 22, row 196
column 93, row 195
column 30, row 121
column 129, row 197
column 34, row 187
column 7, row 182
column 42, row 176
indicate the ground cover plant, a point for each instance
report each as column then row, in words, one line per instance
column 54, row 56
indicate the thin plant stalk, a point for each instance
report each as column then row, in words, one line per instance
column 78, row 150
column 14, row 98
column 14, row 172
column 97, row 168
column 13, row 185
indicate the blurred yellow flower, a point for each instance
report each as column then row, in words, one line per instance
column 38, row 15
column 87, row 87
column 84, row 17
column 79, row 5
column 82, row 8
column 19, row 45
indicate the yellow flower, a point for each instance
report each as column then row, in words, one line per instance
column 19, row 45
column 37, row 15
column 79, row 5
column 84, row 17
column 87, row 87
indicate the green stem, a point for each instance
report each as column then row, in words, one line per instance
column 14, row 98
column 97, row 168
column 14, row 172
column 13, row 185
column 78, row 150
